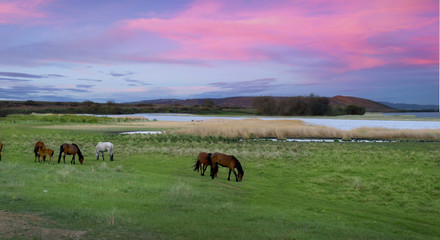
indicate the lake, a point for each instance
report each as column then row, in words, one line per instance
column 343, row 124
column 416, row 114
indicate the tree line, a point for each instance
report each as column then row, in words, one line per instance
column 302, row 106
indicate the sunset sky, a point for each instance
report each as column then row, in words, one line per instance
column 123, row 51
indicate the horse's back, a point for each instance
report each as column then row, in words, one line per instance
column 69, row 148
column 50, row 151
column 104, row 146
column 39, row 144
column 223, row 159
column 202, row 157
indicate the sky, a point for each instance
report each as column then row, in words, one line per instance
column 134, row 50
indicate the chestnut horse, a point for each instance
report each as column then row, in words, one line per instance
column 228, row 161
column 38, row 145
column 43, row 152
column 70, row 149
column 1, row 147
column 203, row 160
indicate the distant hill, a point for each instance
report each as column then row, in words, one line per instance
column 370, row 106
column 242, row 102
column 411, row 107
column 246, row 102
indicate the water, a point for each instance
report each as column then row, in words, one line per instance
column 143, row 132
column 343, row 124
column 416, row 114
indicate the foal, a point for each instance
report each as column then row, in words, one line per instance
column 45, row 152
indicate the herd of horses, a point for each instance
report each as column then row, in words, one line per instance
column 41, row 152
column 203, row 159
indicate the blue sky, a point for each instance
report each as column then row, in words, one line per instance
column 124, row 51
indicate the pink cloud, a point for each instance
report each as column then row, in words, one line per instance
column 340, row 32
column 21, row 11
column 129, row 90
column 191, row 89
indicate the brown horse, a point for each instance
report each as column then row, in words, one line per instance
column 38, row 145
column 203, row 160
column 228, row 161
column 43, row 152
column 70, row 149
column 1, row 147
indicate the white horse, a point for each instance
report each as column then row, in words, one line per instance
column 102, row 147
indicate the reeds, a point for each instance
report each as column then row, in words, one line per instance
column 282, row 129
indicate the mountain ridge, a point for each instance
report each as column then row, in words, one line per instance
column 246, row 102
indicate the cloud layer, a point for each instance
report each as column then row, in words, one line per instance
column 378, row 49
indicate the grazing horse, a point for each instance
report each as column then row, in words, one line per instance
column 226, row 161
column 102, row 147
column 70, row 149
column 1, row 147
column 38, row 145
column 203, row 160
column 43, row 152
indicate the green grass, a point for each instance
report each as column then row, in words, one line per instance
column 289, row 190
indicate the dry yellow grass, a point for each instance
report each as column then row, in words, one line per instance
column 257, row 128
column 281, row 129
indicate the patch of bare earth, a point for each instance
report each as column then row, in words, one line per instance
column 26, row 226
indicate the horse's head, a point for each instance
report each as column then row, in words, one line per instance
column 81, row 159
column 240, row 176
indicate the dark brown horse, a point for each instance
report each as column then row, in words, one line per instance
column 228, row 161
column 203, row 160
column 43, row 152
column 38, row 145
column 1, row 147
column 70, row 149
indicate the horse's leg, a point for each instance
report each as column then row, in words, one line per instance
column 236, row 178
column 203, row 169
column 73, row 159
column 64, row 158
column 229, row 176
column 102, row 156
column 214, row 169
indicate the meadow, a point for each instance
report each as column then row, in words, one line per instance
column 290, row 190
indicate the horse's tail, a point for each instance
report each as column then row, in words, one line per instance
column 197, row 165
column 111, row 151
column 61, row 151
column 238, row 165
column 36, row 151
column 214, row 170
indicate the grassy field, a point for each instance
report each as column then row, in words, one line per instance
column 289, row 190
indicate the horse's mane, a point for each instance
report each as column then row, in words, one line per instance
column 208, row 158
column 79, row 151
column 238, row 165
